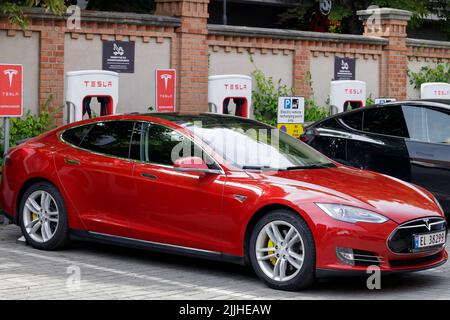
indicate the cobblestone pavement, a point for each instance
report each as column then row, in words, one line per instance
column 109, row 272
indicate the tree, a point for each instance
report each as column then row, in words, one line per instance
column 442, row 9
column 439, row 73
column 14, row 9
column 137, row 6
column 419, row 8
column 346, row 10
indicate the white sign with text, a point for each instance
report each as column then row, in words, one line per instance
column 291, row 110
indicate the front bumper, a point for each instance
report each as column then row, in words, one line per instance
column 356, row 272
column 368, row 240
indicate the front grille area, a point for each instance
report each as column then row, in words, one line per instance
column 413, row 262
column 365, row 258
column 401, row 240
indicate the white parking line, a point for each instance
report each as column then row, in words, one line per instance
column 136, row 275
column 4, row 266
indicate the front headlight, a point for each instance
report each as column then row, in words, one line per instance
column 439, row 205
column 351, row 214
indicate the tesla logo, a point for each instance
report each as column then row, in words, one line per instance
column 441, row 92
column 98, row 84
column 11, row 97
column 236, row 86
column 166, row 80
column 166, row 77
column 10, row 73
column 427, row 224
column 353, row 91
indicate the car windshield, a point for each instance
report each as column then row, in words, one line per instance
column 251, row 145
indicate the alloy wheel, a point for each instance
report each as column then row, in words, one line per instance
column 280, row 251
column 41, row 216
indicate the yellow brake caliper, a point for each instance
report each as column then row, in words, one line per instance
column 270, row 244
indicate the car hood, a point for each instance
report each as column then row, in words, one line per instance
column 397, row 200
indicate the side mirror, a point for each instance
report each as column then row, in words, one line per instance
column 333, row 110
column 193, row 164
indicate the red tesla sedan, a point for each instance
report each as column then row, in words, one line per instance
column 218, row 187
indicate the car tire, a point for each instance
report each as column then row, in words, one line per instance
column 50, row 232
column 285, row 255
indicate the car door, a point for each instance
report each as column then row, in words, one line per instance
column 177, row 208
column 429, row 149
column 379, row 144
column 96, row 174
column 330, row 139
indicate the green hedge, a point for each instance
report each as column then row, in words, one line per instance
column 439, row 73
column 28, row 126
column 265, row 100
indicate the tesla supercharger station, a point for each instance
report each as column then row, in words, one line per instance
column 84, row 86
column 230, row 94
column 435, row 90
column 347, row 95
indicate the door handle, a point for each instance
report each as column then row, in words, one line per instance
column 71, row 161
column 149, row 176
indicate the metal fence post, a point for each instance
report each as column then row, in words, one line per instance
column 225, row 15
column 5, row 150
column 5, row 135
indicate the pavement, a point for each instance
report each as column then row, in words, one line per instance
column 94, row 271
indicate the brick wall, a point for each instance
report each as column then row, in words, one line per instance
column 184, row 24
column 305, row 50
column 51, row 69
column 52, row 33
column 191, row 60
column 51, row 60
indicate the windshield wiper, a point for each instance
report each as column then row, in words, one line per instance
column 268, row 168
column 311, row 166
column 259, row 168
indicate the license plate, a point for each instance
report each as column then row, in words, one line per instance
column 429, row 240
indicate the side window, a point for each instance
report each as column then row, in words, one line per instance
column 416, row 123
column 354, row 120
column 76, row 135
column 385, row 120
column 437, row 125
column 330, row 124
column 110, row 138
column 162, row 145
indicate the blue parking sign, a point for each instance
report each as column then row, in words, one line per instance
column 287, row 103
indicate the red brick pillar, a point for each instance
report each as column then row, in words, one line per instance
column 390, row 24
column 51, row 69
column 302, row 61
column 191, row 59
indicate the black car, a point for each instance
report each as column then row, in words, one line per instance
column 409, row 140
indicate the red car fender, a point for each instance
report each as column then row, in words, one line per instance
column 263, row 207
column 281, row 202
column 38, row 165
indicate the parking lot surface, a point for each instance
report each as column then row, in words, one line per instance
column 93, row 271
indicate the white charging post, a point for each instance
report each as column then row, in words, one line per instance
column 230, row 94
column 347, row 95
column 88, row 84
column 435, row 91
